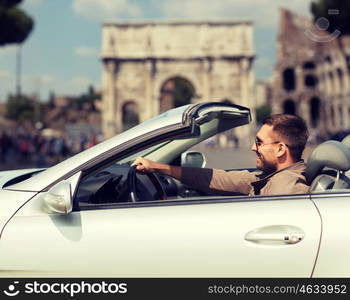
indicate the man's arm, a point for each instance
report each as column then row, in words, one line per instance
column 208, row 180
column 149, row 166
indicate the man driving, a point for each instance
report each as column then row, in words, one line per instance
column 278, row 145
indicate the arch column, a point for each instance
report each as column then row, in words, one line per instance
column 337, row 124
column 147, row 106
column 111, row 117
column 299, row 78
column 303, row 111
column 345, row 113
column 206, row 87
column 336, row 84
column 322, row 124
column 246, row 98
column 327, row 80
column 245, row 80
column 328, row 117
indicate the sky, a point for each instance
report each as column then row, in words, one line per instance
column 62, row 52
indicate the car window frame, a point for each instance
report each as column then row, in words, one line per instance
column 199, row 200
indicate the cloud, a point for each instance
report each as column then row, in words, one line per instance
column 80, row 82
column 42, row 79
column 262, row 12
column 264, row 62
column 8, row 50
column 46, row 78
column 32, row 3
column 5, row 75
column 102, row 10
column 84, row 51
column 68, row 87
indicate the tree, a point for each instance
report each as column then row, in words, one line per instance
column 337, row 21
column 15, row 24
column 86, row 101
column 262, row 112
column 22, row 108
column 19, row 108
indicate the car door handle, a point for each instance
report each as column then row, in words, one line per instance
column 275, row 235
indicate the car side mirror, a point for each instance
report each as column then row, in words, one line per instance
column 58, row 200
column 193, row 159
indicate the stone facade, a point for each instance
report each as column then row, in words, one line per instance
column 140, row 60
column 311, row 77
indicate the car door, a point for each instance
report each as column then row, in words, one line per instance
column 334, row 207
column 199, row 237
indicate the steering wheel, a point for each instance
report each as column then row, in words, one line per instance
column 131, row 181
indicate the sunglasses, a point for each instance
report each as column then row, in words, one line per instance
column 259, row 143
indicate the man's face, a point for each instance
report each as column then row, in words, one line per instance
column 265, row 148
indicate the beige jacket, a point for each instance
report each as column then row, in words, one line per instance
column 290, row 180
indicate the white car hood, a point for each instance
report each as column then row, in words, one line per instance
column 6, row 176
column 11, row 201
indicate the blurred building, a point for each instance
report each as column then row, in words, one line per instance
column 154, row 66
column 2, row 109
column 311, row 77
column 263, row 92
column 65, row 118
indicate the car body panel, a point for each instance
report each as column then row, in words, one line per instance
column 6, row 176
column 185, row 239
column 205, row 236
column 10, row 203
column 335, row 243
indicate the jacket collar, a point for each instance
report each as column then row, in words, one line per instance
column 260, row 183
column 296, row 165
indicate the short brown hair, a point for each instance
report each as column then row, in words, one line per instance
column 292, row 130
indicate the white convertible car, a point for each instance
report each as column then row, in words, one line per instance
column 92, row 215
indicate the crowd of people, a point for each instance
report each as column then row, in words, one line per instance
column 36, row 150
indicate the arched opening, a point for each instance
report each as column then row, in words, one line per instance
column 341, row 119
column 289, row 107
column 315, row 111
column 328, row 59
column 332, row 116
column 310, row 81
column 331, row 77
column 309, row 65
column 130, row 115
column 288, row 79
column 331, row 81
column 175, row 92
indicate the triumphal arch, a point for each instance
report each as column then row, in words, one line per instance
column 149, row 67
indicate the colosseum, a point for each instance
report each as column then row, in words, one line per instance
column 311, row 76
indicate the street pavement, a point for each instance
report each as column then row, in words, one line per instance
column 235, row 158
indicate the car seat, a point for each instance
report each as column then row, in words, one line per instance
column 327, row 165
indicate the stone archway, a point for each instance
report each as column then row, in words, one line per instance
column 146, row 61
column 175, row 92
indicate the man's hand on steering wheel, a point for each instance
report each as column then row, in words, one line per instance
column 149, row 166
column 145, row 165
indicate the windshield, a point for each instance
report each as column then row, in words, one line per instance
column 143, row 152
